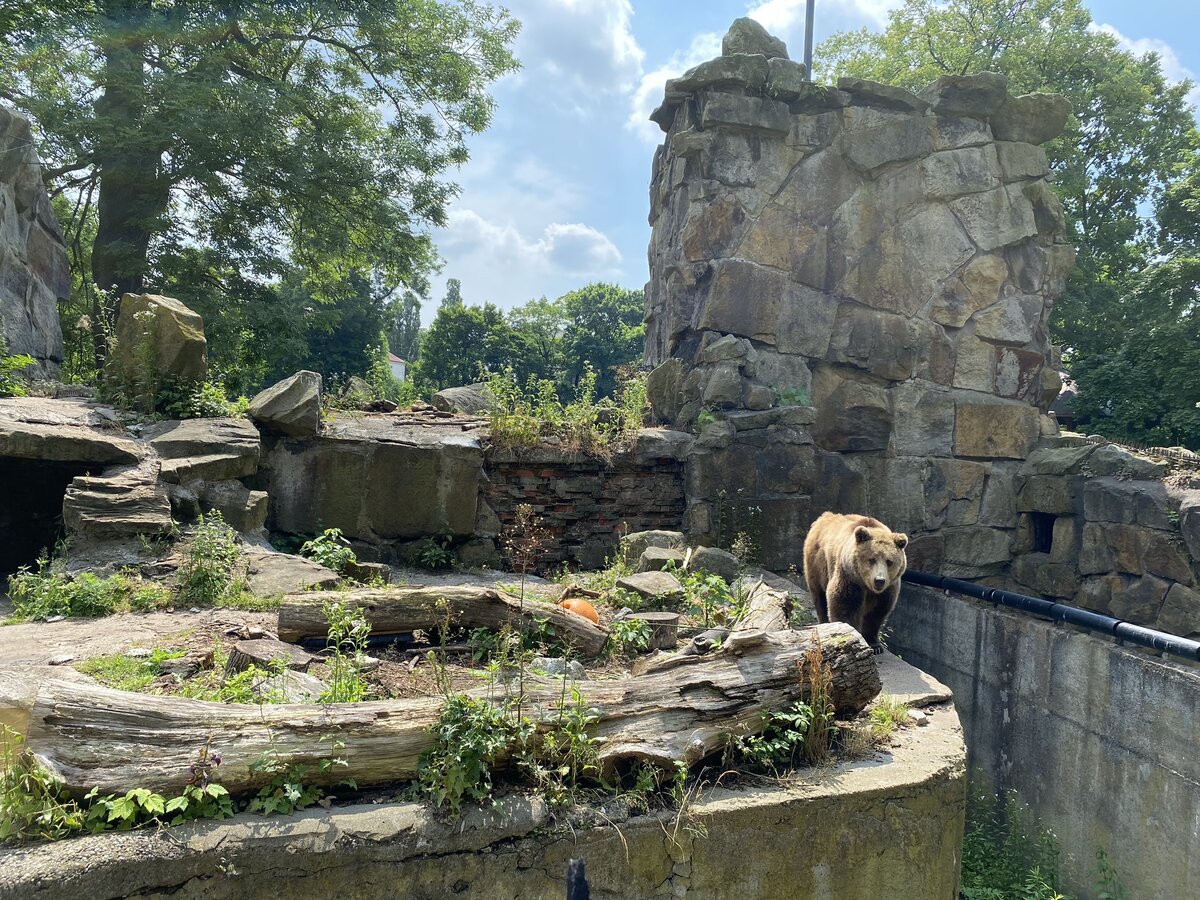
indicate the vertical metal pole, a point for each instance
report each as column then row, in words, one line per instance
column 808, row 34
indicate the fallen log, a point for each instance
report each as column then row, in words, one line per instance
column 766, row 609
column 400, row 610
column 89, row 736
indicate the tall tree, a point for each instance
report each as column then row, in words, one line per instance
column 604, row 331
column 453, row 296
column 404, row 332
column 1125, row 142
column 318, row 132
column 463, row 341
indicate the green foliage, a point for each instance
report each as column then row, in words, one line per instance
column 781, row 740
column 197, row 400
column 434, row 553
column 887, row 715
column 627, row 637
column 12, row 371
column 331, row 550
column 565, row 755
column 208, row 573
column 38, row 595
column 1006, row 854
column 470, row 738
column 288, row 788
column 509, row 645
column 522, row 417
column 708, row 597
column 738, row 520
column 346, row 642
column 1107, row 879
column 794, row 397
column 128, row 673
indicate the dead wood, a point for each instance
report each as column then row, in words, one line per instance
column 400, row 609
column 89, row 736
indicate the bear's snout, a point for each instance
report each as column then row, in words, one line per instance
column 880, row 584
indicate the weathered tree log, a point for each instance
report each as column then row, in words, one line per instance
column 766, row 609
column 89, row 736
column 264, row 651
column 664, row 628
column 398, row 610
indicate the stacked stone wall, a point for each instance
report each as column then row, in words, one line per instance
column 848, row 300
column 33, row 256
column 584, row 504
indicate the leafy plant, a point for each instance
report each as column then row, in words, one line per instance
column 1005, row 854
column 12, row 371
column 434, row 552
column 781, row 741
column 627, row 637
column 708, row 597
column 820, row 731
column 564, row 755
column 1107, row 880
column 288, row 788
column 41, row 594
column 794, row 396
column 470, row 738
column 705, row 417
column 347, row 641
column 33, row 805
column 184, row 399
column 331, row 550
column 208, row 573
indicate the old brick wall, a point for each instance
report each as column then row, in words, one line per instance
column 584, row 504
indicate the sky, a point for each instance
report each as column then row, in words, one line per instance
column 556, row 192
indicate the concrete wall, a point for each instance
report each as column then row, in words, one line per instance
column 879, row 828
column 1102, row 742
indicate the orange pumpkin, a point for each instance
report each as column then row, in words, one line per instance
column 581, row 608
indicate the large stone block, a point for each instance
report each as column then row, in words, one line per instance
column 953, row 492
column 786, row 80
column 975, row 287
column 995, row 430
column 851, row 416
column 1189, row 522
column 881, row 343
column 1113, row 499
column 1037, row 571
column 967, row 95
column 1020, row 374
column 874, row 93
column 1012, row 320
column 1138, row 600
column 924, row 421
column 784, row 239
column 974, row 364
column 1094, row 556
column 905, row 138
column 786, row 468
column 975, row 551
column 996, row 218
column 291, row 407
column 1031, row 118
column 785, row 525
column 162, row 333
column 742, row 69
column 752, row 113
column 953, row 173
column 999, row 504
column 1019, row 160
column 664, row 388
column 1053, row 494
column 1180, row 612
column 747, row 36
column 712, row 229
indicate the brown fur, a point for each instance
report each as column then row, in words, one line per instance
column 853, row 566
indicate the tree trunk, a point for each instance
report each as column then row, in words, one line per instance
column 402, row 610
column 89, row 736
column 132, row 195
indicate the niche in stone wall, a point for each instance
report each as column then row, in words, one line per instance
column 32, row 507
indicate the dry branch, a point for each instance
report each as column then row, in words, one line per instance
column 90, row 736
column 400, row 610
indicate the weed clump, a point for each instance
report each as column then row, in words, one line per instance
column 44, row 593
column 209, row 571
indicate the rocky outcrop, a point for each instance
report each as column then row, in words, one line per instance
column 161, row 335
column 205, row 449
column 470, row 399
column 33, row 256
column 124, row 503
column 291, row 407
column 855, row 283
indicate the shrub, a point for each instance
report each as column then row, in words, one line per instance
column 209, row 571
column 331, row 550
column 39, row 595
column 12, row 368
column 1006, row 854
column 179, row 399
column 347, row 641
column 627, row 637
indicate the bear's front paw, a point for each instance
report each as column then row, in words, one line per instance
column 877, row 648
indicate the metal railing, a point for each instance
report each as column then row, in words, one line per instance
column 1123, row 631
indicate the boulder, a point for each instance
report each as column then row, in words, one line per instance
column 655, row 559
column 470, row 399
column 663, row 390
column 271, row 574
column 653, row 587
column 291, row 407
column 715, row 561
column 1180, row 613
column 122, row 503
column 748, row 70
column 60, row 431
column 205, row 449
column 873, row 93
column 786, row 80
column 747, row 36
column 753, row 113
column 967, row 95
column 1032, row 118
column 635, row 543
column 242, row 509
column 33, row 256
column 160, row 333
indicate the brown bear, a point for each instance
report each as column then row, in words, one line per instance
column 853, row 566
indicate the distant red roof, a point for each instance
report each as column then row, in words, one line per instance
column 392, row 357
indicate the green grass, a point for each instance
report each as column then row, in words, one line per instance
column 44, row 593
column 127, row 673
column 248, row 602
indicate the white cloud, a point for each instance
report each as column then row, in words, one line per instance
column 785, row 18
column 581, row 47
column 649, row 92
column 1172, row 67
column 571, row 248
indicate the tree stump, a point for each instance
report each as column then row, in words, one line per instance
column 664, row 628
column 263, row 652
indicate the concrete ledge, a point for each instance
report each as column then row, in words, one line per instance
column 887, row 826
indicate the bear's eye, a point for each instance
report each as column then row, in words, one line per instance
column 890, row 563
column 872, row 561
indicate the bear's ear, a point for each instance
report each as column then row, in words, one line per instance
column 901, row 540
column 861, row 535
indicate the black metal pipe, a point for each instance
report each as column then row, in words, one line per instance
column 808, row 38
column 1062, row 612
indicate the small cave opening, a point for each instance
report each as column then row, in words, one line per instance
column 1043, row 531
column 31, row 503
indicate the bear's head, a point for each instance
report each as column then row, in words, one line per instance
column 879, row 559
